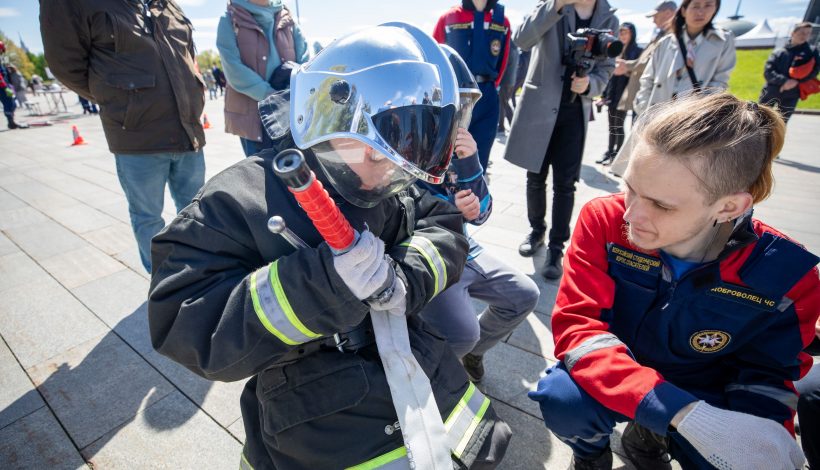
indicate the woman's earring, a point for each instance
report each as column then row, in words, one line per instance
column 714, row 224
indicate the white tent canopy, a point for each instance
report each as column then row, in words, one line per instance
column 759, row 37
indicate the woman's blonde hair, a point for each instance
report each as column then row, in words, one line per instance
column 727, row 143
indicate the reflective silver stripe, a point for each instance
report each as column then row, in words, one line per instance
column 461, row 425
column 606, row 340
column 434, row 260
column 394, row 460
column 243, row 462
column 575, row 439
column 783, row 396
column 273, row 308
column 785, row 303
column 464, row 419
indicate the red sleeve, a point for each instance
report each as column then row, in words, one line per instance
column 506, row 56
column 438, row 32
column 597, row 360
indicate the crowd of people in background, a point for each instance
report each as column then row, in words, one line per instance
column 534, row 92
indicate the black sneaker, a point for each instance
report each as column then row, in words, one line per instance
column 474, row 366
column 531, row 244
column 645, row 449
column 552, row 268
column 602, row 462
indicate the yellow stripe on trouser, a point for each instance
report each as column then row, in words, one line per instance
column 273, row 308
column 461, row 425
column 426, row 248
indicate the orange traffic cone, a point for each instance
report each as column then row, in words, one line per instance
column 205, row 123
column 78, row 139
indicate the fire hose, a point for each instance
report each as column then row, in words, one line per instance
column 421, row 425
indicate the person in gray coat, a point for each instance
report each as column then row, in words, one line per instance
column 549, row 126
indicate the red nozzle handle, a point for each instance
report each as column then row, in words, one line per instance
column 290, row 166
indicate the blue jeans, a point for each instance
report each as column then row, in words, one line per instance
column 510, row 296
column 252, row 147
column 143, row 179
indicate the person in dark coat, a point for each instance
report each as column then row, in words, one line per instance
column 615, row 89
column 787, row 67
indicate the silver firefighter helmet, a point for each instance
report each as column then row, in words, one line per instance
column 379, row 108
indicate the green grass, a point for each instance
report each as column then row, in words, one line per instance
column 747, row 78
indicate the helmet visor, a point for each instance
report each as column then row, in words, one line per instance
column 361, row 174
column 397, row 108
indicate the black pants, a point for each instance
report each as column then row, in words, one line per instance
column 616, row 129
column 505, row 95
column 564, row 154
column 785, row 102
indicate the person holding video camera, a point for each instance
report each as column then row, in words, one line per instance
column 549, row 126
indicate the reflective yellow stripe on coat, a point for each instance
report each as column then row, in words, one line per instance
column 461, row 425
column 273, row 308
column 434, row 260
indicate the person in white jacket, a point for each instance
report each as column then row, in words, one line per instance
column 710, row 53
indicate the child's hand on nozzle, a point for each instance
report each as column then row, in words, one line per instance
column 465, row 144
column 468, row 204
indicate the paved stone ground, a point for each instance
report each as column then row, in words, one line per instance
column 79, row 382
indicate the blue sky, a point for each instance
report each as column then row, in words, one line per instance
column 324, row 20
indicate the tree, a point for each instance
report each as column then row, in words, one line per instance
column 39, row 61
column 17, row 57
column 207, row 59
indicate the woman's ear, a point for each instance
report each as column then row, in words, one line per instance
column 733, row 206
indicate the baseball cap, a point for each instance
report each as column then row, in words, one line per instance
column 665, row 5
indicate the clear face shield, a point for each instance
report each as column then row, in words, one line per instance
column 378, row 128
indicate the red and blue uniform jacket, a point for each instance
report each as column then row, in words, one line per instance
column 482, row 39
column 730, row 332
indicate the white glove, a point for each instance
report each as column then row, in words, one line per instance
column 395, row 300
column 364, row 268
column 731, row 440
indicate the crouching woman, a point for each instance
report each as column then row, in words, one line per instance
column 678, row 311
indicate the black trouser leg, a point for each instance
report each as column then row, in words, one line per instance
column 537, row 199
column 616, row 129
column 564, row 154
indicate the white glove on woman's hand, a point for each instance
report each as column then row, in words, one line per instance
column 731, row 440
column 364, row 268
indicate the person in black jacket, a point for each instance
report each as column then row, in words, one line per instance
column 229, row 300
column 786, row 68
column 613, row 91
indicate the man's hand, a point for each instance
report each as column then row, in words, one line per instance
column 579, row 84
column 735, row 441
column 465, row 144
column 790, row 83
column 620, row 67
column 468, row 204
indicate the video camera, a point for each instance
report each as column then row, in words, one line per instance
column 587, row 45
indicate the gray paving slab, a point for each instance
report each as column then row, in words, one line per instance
column 130, row 257
column 7, row 247
column 40, row 195
column 237, row 430
column 41, row 319
column 114, row 297
column 18, row 398
column 113, row 239
column 220, row 400
column 156, row 439
column 20, row 217
column 97, row 386
column 9, row 201
column 534, row 335
column 37, row 442
column 19, row 269
column 80, row 266
column 45, row 239
column 510, row 373
column 531, row 446
column 80, row 218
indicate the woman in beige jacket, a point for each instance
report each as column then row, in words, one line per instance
column 710, row 52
